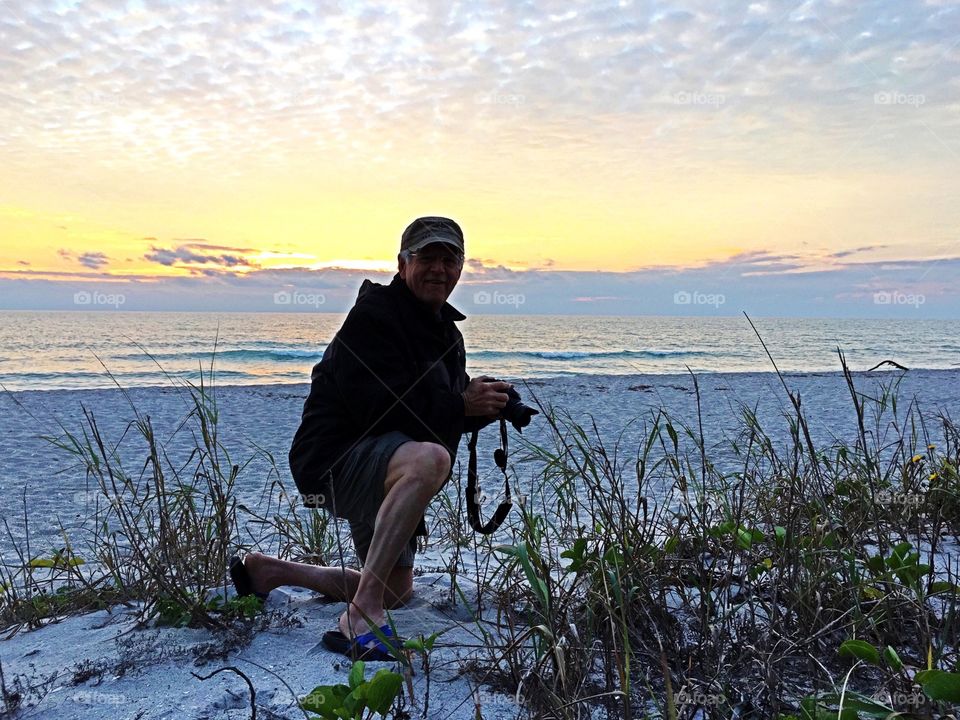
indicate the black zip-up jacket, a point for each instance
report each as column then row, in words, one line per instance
column 393, row 365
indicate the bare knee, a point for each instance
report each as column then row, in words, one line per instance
column 423, row 462
column 434, row 461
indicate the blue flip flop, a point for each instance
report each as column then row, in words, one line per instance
column 241, row 580
column 367, row 647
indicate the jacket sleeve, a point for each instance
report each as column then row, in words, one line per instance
column 474, row 422
column 384, row 387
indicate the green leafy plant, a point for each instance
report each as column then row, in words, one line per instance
column 940, row 685
column 936, row 685
column 171, row 612
column 359, row 699
column 59, row 559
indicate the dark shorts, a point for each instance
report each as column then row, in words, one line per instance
column 357, row 491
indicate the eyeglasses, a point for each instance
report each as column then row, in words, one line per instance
column 450, row 261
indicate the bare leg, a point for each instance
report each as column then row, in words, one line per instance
column 267, row 573
column 416, row 472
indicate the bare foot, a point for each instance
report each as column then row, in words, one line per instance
column 352, row 622
column 257, row 566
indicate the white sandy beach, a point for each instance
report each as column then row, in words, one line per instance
column 136, row 672
column 32, row 471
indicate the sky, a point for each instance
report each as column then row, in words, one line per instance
column 610, row 158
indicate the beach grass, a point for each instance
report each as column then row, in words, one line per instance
column 691, row 575
column 797, row 582
column 159, row 531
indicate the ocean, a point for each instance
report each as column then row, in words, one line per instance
column 74, row 350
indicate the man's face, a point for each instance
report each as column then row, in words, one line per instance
column 432, row 273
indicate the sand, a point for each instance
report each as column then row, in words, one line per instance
column 146, row 672
column 149, row 673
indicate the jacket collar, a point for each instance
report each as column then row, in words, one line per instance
column 447, row 313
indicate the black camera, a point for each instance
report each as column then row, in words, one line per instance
column 515, row 412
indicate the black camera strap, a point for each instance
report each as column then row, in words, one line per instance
column 473, row 507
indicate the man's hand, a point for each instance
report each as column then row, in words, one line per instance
column 485, row 398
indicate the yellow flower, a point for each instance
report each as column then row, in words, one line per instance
column 931, row 447
column 916, row 458
column 934, row 476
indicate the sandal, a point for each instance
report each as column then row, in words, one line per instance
column 241, row 580
column 366, row 646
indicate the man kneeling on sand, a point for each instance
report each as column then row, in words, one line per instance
column 379, row 434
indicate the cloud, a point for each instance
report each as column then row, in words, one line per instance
column 485, row 269
column 839, row 290
column 204, row 245
column 273, row 81
column 614, row 89
column 191, row 253
column 855, row 251
column 93, row 260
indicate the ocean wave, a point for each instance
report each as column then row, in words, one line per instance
column 122, row 375
column 281, row 354
column 587, row 354
column 21, row 382
column 273, row 354
column 44, row 376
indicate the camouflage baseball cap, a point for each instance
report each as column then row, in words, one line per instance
column 426, row 230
